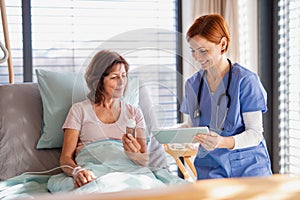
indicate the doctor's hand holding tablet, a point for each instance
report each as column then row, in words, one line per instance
column 229, row 100
column 213, row 140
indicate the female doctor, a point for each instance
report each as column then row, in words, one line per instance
column 230, row 100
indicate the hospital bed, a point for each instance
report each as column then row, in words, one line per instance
column 30, row 121
column 23, row 117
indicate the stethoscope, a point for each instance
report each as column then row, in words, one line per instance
column 197, row 112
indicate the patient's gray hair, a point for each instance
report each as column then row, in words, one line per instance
column 99, row 67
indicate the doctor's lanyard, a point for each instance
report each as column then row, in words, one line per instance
column 197, row 113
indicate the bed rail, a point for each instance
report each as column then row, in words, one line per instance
column 7, row 43
column 5, row 53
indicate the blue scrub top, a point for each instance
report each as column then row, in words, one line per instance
column 247, row 95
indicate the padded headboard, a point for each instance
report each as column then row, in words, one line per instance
column 20, row 129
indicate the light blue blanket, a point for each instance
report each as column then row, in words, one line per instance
column 114, row 171
column 107, row 160
column 23, row 186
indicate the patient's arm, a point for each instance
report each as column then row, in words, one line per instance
column 80, row 175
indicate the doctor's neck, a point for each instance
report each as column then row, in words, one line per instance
column 218, row 70
column 216, row 73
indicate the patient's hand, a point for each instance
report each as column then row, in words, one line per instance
column 130, row 144
column 135, row 147
column 134, row 150
column 83, row 177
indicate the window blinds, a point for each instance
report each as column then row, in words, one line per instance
column 289, row 82
column 14, row 20
column 66, row 33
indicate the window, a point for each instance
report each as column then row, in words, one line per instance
column 66, row 33
column 14, row 20
column 289, row 91
column 248, row 40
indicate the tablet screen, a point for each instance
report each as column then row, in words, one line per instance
column 178, row 135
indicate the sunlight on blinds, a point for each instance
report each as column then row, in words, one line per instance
column 289, row 98
column 244, row 33
column 66, row 33
column 248, row 32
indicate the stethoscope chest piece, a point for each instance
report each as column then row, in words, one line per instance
column 196, row 113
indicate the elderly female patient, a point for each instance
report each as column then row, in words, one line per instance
column 100, row 122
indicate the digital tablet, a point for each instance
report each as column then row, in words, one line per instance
column 178, row 135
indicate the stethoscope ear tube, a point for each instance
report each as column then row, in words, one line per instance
column 197, row 112
column 228, row 84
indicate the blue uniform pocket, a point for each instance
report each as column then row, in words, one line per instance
column 208, row 168
column 252, row 161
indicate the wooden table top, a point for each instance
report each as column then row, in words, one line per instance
column 273, row 187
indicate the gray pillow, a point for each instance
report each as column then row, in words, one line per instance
column 20, row 129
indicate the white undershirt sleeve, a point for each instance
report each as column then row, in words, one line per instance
column 253, row 133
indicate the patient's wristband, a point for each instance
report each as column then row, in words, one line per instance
column 76, row 170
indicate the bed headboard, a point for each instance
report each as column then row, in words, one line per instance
column 20, row 129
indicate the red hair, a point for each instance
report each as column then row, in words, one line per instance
column 212, row 27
